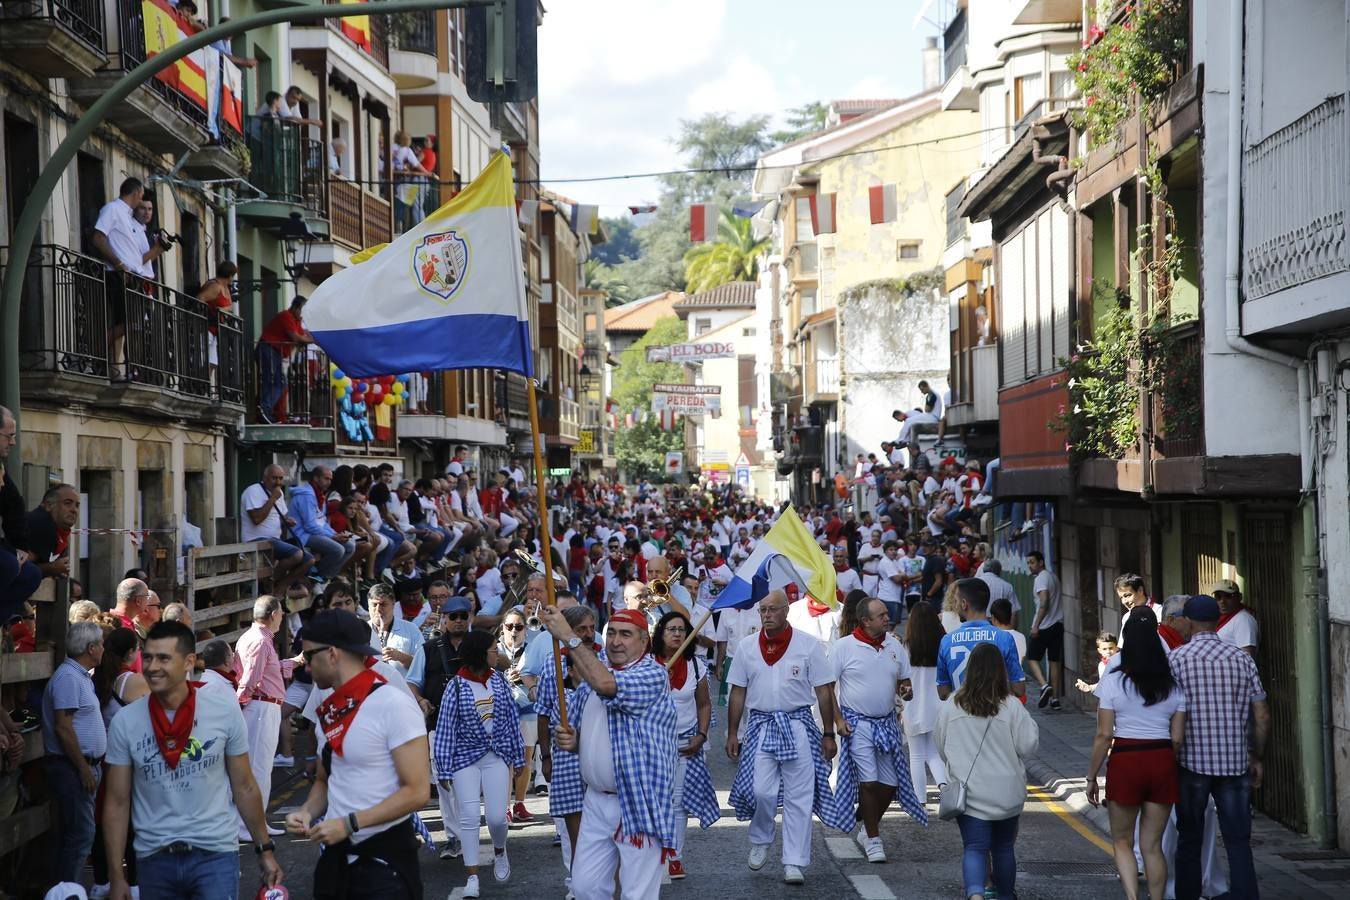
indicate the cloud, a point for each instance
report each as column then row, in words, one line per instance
column 744, row 88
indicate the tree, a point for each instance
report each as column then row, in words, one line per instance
column 606, row 278
column 733, row 257
column 641, row 448
column 620, row 244
column 801, row 121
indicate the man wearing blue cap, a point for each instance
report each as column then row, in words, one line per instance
column 1219, row 758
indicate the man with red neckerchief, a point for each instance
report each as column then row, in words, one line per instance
column 778, row 674
column 817, row 619
column 366, row 804
column 871, row 668
column 1237, row 625
column 169, row 755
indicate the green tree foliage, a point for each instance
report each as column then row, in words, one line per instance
column 732, row 257
column 620, row 244
column 641, row 449
column 607, row 278
column 801, row 121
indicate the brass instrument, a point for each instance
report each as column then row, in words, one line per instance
column 658, row 589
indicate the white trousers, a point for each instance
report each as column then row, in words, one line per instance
column 509, row 525
column 677, row 801
column 490, row 780
column 1213, row 878
column 923, row 752
column 263, row 721
column 915, row 417
column 560, row 826
column 798, row 778
column 599, row 854
column 869, row 584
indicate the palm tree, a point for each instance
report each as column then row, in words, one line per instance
column 734, row 256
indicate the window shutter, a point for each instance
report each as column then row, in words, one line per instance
column 1011, row 312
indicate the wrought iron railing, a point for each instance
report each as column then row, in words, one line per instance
column 131, row 50
column 415, row 31
column 82, row 18
column 956, row 223
column 287, row 165
column 379, row 34
column 64, row 319
column 306, row 397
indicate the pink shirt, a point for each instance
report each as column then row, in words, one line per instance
column 255, row 659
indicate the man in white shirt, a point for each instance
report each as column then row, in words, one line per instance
column 1047, row 631
column 999, row 588
column 115, row 238
column 890, row 579
column 713, row 576
column 1237, row 625
column 869, row 559
column 778, row 675
column 871, row 668
column 264, row 506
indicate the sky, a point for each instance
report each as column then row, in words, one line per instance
column 617, row 76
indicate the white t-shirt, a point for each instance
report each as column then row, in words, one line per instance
column 869, row 557
column 686, row 701
column 1133, row 719
column 1054, row 611
column 888, row 591
column 399, row 510
column 922, row 711
column 865, row 677
column 1000, row 589
column 364, row 775
column 1242, row 630
column 1020, row 640
column 824, row 627
column 786, row 685
column 597, row 762
column 117, row 222
column 255, row 497
column 707, row 587
column 848, row 580
column 733, row 625
column 482, row 702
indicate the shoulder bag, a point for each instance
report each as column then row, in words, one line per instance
column 952, row 795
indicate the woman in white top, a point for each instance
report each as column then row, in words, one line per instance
column 511, row 653
column 923, row 634
column 985, row 736
column 951, row 613
column 1141, row 716
column 116, row 684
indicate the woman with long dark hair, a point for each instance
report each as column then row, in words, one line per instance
column 477, row 745
column 1141, row 718
column 848, row 611
column 116, row 683
column 923, row 634
column 985, row 736
column 693, row 790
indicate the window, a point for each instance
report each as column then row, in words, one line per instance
column 1034, row 307
column 808, row 259
column 1027, row 93
column 907, row 249
column 808, row 299
column 748, row 332
column 702, row 326
column 803, row 210
column 458, row 58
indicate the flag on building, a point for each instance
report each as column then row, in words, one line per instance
column 164, row 28
column 702, row 222
column 822, row 213
column 787, row 554
column 447, row 294
column 881, row 203
column 357, row 28
column 748, row 209
column 639, row 210
column 528, row 212
column 585, row 218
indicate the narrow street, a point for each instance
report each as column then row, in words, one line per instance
column 1058, row 856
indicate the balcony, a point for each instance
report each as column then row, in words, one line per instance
column 412, row 52
column 825, row 378
column 974, row 386
column 67, row 317
column 303, row 416
column 358, row 218
column 954, row 39
column 435, row 421
column 958, row 88
column 1049, row 12
column 288, row 167
column 417, row 198
column 1295, row 205
column 803, row 446
column 163, row 118
column 379, row 37
column 53, row 38
column 561, row 419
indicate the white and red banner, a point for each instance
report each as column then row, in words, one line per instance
column 881, row 203
column 702, row 222
column 822, row 213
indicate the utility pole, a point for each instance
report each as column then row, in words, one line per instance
column 25, row 229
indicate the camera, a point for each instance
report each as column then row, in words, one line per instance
column 166, row 239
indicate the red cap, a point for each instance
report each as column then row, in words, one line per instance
column 792, row 590
column 630, row 616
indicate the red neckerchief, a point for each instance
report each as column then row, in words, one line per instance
column 815, row 607
column 172, row 737
column 468, row 675
column 678, row 672
column 867, row 639
column 409, row 613
column 62, row 541
column 1228, row 617
column 337, row 712
column 228, row 675
column 320, row 498
column 841, row 567
column 1170, row 636
column 772, row 649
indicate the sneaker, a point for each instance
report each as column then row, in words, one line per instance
column 26, row 719
column 875, row 852
column 453, row 848
column 1044, row 699
column 793, row 875
column 520, row 814
column 675, row 868
column 557, row 840
column 1054, row 704
column 501, row 866
column 758, row 853
column 540, row 790
column 100, row 891
column 284, row 761
column 471, row 887
column 388, row 577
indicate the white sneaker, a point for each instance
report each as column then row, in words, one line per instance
column 793, row 875
column 758, row 853
column 100, row 891
column 283, row 761
column 861, row 837
column 471, row 887
column 275, row 832
column 501, row 866
column 875, row 852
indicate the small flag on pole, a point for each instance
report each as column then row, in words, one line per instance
column 822, row 213
column 881, row 203
column 585, row 218
column 639, row 210
column 748, row 209
column 702, row 222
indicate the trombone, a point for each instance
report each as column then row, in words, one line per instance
column 658, row 589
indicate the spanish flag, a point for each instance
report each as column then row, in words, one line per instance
column 163, row 29
column 357, row 28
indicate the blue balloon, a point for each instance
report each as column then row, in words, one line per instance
column 405, row 378
column 337, row 375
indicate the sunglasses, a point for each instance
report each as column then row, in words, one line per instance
column 457, row 616
column 515, row 627
column 310, row 654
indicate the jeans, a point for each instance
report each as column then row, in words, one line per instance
column 329, row 555
column 386, row 556
column 982, row 839
column 273, row 377
column 17, row 582
column 75, row 811
column 1232, row 799
column 193, row 875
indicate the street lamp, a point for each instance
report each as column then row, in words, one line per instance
column 297, row 238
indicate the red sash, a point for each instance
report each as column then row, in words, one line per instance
column 1170, row 636
column 337, row 712
column 172, row 737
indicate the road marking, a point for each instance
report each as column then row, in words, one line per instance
column 285, row 795
column 871, row 887
column 844, row 848
column 1071, row 818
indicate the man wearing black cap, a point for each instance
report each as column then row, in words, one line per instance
column 1219, row 758
column 365, row 804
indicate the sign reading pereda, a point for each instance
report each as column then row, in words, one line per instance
column 696, row 351
column 662, row 387
column 686, row 404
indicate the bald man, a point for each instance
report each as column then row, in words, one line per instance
column 264, row 506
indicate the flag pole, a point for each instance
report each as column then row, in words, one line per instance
column 670, row 663
column 546, row 541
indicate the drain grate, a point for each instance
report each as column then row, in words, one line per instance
column 1060, row 868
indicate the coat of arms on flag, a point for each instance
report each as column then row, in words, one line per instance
column 440, row 262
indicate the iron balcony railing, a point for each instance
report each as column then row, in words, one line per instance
column 307, row 395
column 131, row 44
column 287, row 165
column 168, row 338
column 379, row 34
column 82, row 18
column 64, row 319
column 415, row 31
column 956, row 223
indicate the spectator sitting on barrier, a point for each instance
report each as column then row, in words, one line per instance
column 19, row 573
column 48, row 528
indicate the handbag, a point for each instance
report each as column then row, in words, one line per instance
column 952, row 795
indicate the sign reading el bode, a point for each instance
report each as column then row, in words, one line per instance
column 692, row 352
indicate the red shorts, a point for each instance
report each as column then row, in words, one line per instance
column 1141, row 771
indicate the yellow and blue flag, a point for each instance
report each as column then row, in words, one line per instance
column 447, row 294
column 787, row 553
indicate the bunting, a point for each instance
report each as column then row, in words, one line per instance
column 527, row 212
column 585, row 218
column 702, row 222
column 881, row 203
column 822, row 213
column 639, row 210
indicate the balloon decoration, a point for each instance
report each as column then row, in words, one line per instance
column 357, row 399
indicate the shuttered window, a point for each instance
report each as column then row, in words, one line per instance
column 1034, row 297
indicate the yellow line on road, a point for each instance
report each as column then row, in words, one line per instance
column 1070, row 818
column 285, row 795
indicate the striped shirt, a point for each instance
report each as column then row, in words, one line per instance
column 71, row 688
column 1220, row 683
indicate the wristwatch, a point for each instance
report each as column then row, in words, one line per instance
column 269, row 847
column 574, row 642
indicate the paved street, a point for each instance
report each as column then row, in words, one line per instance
column 1058, row 857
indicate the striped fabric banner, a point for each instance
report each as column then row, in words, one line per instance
column 702, row 222
column 881, row 203
column 822, row 213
